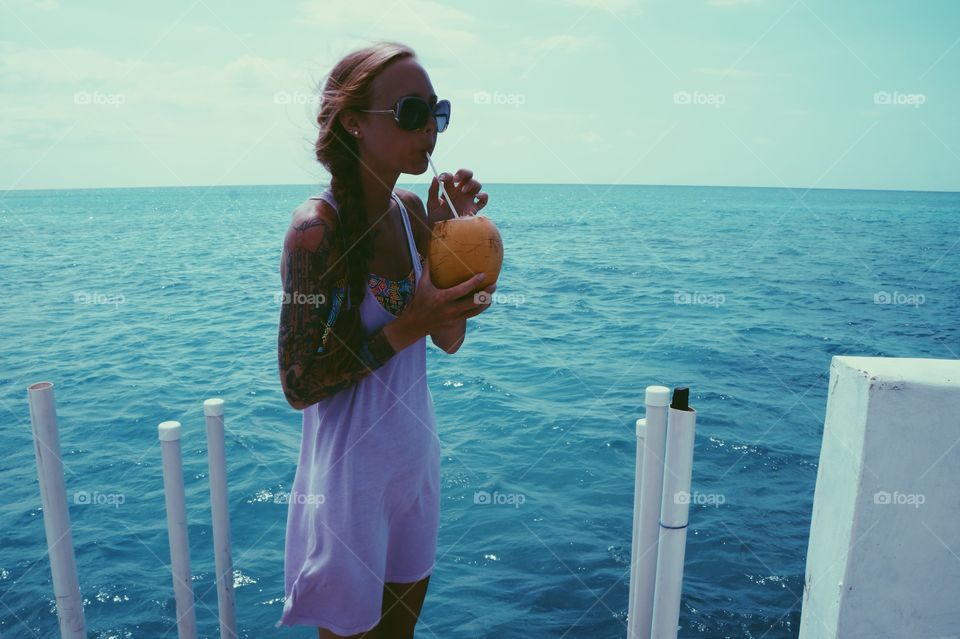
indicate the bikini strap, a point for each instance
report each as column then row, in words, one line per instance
column 411, row 245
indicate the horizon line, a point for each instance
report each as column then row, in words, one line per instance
column 486, row 184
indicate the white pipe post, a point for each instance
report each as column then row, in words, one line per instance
column 220, row 509
column 641, row 429
column 648, row 483
column 56, row 516
column 673, row 521
column 173, row 490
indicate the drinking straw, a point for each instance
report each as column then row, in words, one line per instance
column 442, row 190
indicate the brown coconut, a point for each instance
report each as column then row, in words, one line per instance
column 463, row 246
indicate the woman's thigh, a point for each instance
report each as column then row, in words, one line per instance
column 401, row 607
column 401, row 610
column 370, row 634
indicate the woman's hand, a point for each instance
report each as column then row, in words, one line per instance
column 462, row 189
column 432, row 309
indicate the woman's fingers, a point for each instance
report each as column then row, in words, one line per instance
column 465, row 190
column 463, row 288
column 481, row 200
column 477, row 303
column 470, row 187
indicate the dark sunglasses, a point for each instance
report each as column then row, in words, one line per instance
column 412, row 113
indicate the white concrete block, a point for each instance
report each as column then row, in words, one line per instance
column 884, row 553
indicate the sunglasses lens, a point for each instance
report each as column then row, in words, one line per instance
column 413, row 113
column 442, row 113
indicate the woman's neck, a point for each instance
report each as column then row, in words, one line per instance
column 377, row 192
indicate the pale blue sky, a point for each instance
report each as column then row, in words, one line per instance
column 799, row 93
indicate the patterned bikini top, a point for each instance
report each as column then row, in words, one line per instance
column 393, row 295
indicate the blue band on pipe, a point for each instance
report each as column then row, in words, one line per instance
column 663, row 525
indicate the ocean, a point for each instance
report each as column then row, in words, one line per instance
column 140, row 303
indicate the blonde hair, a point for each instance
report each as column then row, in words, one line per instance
column 349, row 86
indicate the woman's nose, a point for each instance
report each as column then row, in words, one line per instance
column 431, row 125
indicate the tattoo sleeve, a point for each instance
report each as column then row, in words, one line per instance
column 310, row 303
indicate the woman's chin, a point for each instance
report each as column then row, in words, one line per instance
column 418, row 168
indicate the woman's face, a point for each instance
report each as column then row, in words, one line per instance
column 383, row 143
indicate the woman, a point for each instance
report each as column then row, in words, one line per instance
column 364, row 509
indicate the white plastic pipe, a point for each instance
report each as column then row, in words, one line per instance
column 56, row 516
column 651, row 438
column 673, row 522
column 219, row 506
column 169, row 433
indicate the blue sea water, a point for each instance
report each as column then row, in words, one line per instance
column 138, row 304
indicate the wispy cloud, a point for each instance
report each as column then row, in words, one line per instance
column 612, row 5
column 729, row 4
column 737, row 73
column 564, row 42
column 189, row 89
column 417, row 22
column 587, row 136
column 37, row 5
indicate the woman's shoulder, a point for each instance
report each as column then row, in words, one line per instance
column 312, row 224
column 412, row 202
column 418, row 218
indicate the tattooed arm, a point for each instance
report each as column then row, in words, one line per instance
column 307, row 270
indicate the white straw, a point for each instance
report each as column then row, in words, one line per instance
column 442, row 190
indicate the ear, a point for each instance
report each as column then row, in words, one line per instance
column 349, row 120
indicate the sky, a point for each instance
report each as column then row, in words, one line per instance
column 859, row 94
